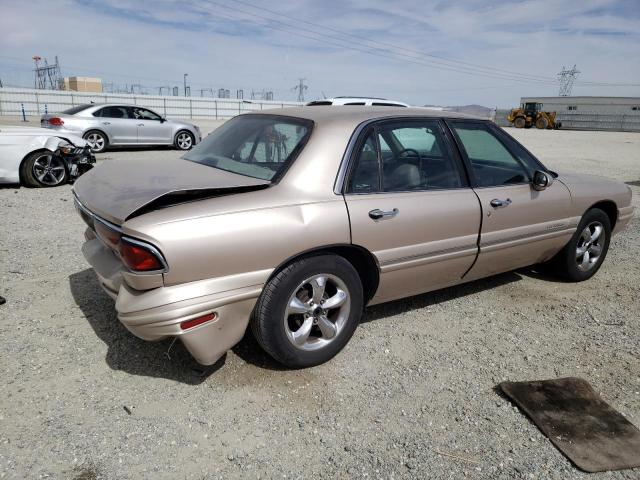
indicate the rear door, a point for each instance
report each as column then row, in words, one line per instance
column 118, row 123
column 152, row 129
column 410, row 204
column 520, row 226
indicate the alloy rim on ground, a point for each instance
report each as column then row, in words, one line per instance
column 184, row 141
column 49, row 170
column 590, row 245
column 317, row 312
column 96, row 141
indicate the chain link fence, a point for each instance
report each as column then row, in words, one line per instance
column 31, row 102
column 618, row 122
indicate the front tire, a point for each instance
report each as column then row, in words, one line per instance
column 582, row 257
column 184, row 140
column 519, row 122
column 98, row 141
column 44, row 169
column 308, row 312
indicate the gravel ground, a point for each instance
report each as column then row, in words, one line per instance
column 411, row 396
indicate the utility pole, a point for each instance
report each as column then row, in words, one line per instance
column 185, row 83
column 301, row 87
column 566, row 78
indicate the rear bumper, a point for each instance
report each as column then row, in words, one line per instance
column 157, row 313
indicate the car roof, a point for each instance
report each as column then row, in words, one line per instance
column 358, row 114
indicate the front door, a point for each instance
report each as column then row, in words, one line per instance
column 410, row 205
column 152, row 128
column 520, row 226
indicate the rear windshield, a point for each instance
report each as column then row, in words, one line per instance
column 258, row 146
column 74, row 110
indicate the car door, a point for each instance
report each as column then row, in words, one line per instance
column 118, row 123
column 152, row 128
column 410, row 204
column 521, row 226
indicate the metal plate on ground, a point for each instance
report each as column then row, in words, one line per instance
column 585, row 428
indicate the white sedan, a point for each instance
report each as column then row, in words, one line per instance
column 38, row 157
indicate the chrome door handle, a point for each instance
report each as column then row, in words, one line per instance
column 106, row 123
column 497, row 203
column 377, row 214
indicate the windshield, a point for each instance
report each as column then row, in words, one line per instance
column 258, row 146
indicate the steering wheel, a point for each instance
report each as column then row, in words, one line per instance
column 409, row 150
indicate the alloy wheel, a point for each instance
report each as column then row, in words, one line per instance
column 590, row 245
column 184, row 141
column 317, row 311
column 49, row 170
column 96, row 142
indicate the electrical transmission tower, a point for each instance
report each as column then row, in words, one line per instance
column 566, row 78
column 47, row 76
column 301, row 87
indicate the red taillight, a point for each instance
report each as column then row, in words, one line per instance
column 138, row 258
column 56, row 121
column 194, row 322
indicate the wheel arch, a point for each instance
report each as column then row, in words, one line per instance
column 610, row 208
column 362, row 260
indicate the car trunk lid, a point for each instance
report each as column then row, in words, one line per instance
column 117, row 190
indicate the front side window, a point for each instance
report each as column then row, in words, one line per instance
column 491, row 162
column 144, row 114
column 259, row 146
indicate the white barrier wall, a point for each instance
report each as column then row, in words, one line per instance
column 38, row 102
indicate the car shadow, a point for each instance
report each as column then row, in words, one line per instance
column 126, row 352
column 169, row 359
column 436, row 297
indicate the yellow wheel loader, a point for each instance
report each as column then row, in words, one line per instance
column 530, row 114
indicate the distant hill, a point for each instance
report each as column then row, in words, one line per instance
column 477, row 110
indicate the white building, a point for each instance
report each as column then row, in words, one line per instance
column 598, row 105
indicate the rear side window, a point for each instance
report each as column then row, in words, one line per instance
column 490, row 160
column 382, row 104
column 78, row 109
column 403, row 157
column 114, row 112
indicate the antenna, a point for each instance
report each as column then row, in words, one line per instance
column 566, row 78
column 301, row 87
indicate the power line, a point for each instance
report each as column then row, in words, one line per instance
column 463, row 67
column 368, row 50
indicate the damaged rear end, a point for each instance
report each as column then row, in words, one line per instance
column 131, row 266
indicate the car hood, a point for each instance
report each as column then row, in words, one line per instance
column 118, row 190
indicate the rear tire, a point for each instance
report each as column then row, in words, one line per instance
column 308, row 312
column 542, row 123
column 519, row 122
column 184, row 140
column 43, row 169
column 582, row 257
column 98, row 141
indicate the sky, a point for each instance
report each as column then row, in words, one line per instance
column 418, row 51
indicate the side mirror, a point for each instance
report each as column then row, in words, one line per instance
column 541, row 180
column 162, row 119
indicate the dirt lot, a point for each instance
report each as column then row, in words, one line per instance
column 412, row 395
